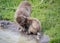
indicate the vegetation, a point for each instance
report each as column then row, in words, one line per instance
column 47, row 11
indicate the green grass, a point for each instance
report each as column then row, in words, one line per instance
column 47, row 11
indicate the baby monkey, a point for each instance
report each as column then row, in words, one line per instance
column 34, row 26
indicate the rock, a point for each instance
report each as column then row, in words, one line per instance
column 44, row 39
column 10, row 34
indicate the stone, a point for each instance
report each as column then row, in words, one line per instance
column 10, row 34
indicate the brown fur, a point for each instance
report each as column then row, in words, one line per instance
column 23, row 11
column 34, row 25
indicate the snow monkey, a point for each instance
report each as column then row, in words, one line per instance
column 34, row 26
column 23, row 11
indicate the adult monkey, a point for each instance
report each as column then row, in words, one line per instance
column 23, row 11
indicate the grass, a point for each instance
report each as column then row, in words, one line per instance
column 47, row 11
